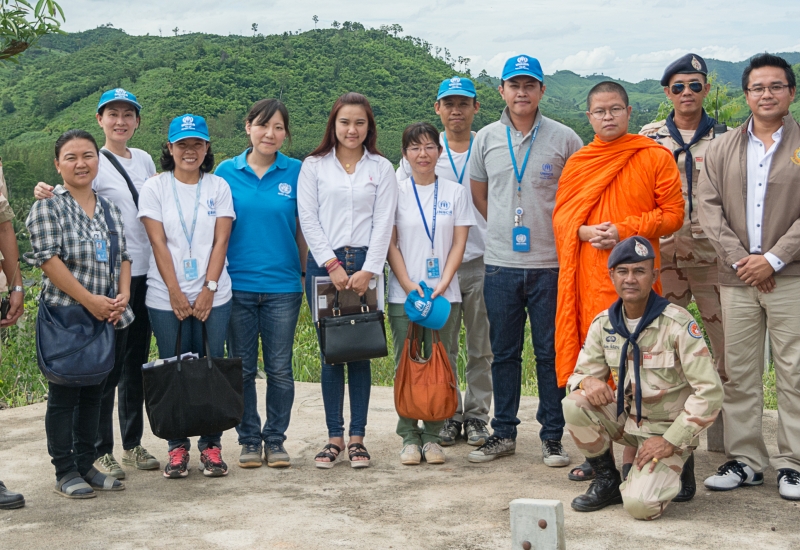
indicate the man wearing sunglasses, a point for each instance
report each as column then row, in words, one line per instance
column 749, row 208
column 688, row 259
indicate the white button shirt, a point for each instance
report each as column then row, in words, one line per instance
column 338, row 209
column 759, row 161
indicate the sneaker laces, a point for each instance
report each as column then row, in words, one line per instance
column 491, row 443
column 253, row 449
column 732, row 466
column 214, row 455
column 553, row 447
column 176, row 456
column 275, row 447
column 109, row 462
column 141, row 453
column 792, row 477
column 476, row 423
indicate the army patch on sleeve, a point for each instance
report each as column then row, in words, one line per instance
column 796, row 156
column 694, row 330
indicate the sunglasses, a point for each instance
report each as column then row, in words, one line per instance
column 678, row 88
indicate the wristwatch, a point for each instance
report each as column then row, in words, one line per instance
column 17, row 289
column 211, row 285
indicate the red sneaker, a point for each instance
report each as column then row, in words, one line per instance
column 178, row 465
column 212, row 463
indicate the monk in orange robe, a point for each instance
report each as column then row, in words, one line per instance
column 619, row 185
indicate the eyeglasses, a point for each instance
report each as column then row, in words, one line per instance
column 679, row 87
column 599, row 114
column 775, row 89
column 430, row 149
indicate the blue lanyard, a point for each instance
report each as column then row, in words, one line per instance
column 517, row 173
column 431, row 234
column 453, row 164
column 189, row 236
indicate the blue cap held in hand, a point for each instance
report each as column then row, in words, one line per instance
column 456, row 86
column 118, row 94
column 188, row 126
column 425, row 311
column 523, row 65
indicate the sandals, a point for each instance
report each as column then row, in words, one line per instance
column 586, row 468
column 73, row 485
column 326, row 453
column 357, row 450
column 102, row 482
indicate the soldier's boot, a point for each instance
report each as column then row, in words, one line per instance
column 688, row 485
column 604, row 490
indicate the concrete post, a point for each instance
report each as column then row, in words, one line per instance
column 537, row 524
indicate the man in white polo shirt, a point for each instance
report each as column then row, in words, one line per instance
column 515, row 166
column 456, row 105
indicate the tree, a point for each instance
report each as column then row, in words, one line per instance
column 254, row 28
column 315, row 19
column 396, row 28
column 22, row 25
column 176, row 30
column 335, row 24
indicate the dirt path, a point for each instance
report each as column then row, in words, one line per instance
column 457, row 505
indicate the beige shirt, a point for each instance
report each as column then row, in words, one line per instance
column 6, row 215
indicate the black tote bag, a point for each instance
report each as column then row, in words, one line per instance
column 191, row 397
column 355, row 337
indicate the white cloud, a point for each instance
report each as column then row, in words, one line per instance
column 596, row 60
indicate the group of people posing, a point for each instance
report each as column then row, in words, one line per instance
column 519, row 219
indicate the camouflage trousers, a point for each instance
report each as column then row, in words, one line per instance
column 680, row 284
column 645, row 494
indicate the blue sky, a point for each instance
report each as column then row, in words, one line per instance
column 630, row 39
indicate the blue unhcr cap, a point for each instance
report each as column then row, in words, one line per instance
column 523, row 65
column 425, row 311
column 188, row 126
column 456, row 86
column 118, row 94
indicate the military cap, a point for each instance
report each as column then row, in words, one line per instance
column 631, row 251
column 688, row 64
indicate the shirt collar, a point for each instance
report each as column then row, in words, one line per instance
column 775, row 137
column 505, row 118
column 60, row 190
column 240, row 161
column 367, row 155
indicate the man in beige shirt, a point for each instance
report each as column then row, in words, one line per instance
column 750, row 211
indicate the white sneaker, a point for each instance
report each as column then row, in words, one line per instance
column 732, row 475
column 433, row 453
column 410, row 455
column 789, row 484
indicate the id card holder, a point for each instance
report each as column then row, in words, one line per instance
column 432, row 265
column 190, row 269
column 521, row 239
column 100, row 247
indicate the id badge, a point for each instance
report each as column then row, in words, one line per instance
column 432, row 264
column 190, row 269
column 521, row 237
column 100, row 247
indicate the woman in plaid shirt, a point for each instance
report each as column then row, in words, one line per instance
column 66, row 233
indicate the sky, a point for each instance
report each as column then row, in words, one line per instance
column 628, row 39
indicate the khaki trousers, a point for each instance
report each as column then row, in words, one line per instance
column 747, row 314
column 681, row 283
column 478, row 371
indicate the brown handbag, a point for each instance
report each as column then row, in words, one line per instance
column 424, row 389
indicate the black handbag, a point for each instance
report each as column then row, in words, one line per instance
column 189, row 397
column 354, row 337
column 74, row 348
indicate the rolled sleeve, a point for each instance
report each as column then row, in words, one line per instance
column 45, row 231
column 6, row 213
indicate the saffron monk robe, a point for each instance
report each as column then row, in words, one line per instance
column 667, row 390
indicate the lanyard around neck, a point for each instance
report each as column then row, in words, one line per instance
column 189, row 236
column 453, row 164
column 519, row 174
column 431, row 233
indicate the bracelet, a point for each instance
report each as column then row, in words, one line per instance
column 332, row 260
column 333, row 265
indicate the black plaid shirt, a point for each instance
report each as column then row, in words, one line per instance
column 59, row 227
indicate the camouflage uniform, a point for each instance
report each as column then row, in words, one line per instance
column 681, row 396
column 688, row 260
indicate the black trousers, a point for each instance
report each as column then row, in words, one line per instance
column 132, row 351
column 71, row 425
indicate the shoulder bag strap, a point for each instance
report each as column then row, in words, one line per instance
column 114, row 237
column 113, row 160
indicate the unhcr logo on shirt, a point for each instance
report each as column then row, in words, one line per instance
column 284, row 190
column 445, row 209
column 187, row 123
column 547, row 171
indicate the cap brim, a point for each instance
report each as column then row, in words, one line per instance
column 438, row 317
column 512, row 74
column 188, row 134
column 464, row 93
column 121, row 100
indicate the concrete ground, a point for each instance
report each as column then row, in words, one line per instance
column 455, row 505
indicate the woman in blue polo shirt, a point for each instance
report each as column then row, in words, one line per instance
column 266, row 256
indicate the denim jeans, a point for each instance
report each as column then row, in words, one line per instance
column 359, row 373
column 509, row 292
column 132, row 351
column 71, row 424
column 274, row 318
column 165, row 328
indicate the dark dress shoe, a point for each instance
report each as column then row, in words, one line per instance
column 9, row 500
column 604, row 490
column 688, row 485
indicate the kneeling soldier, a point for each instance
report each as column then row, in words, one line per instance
column 667, row 391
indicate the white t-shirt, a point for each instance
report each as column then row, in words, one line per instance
column 453, row 209
column 110, row 185
column 157, row 202
column 476, row 242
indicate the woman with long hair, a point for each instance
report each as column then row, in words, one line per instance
column 347, row 194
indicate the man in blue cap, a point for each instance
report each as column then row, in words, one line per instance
column 514, row 171
column 456, row 104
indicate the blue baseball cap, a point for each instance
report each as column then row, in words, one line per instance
column 456, row 86
column 523, row 65
column 188, row 126
column 425, row 311
column 118, row 94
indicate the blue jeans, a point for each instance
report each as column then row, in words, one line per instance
column 274, row 318
column 508, row 293
column 359, row 373
column 165, row 328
